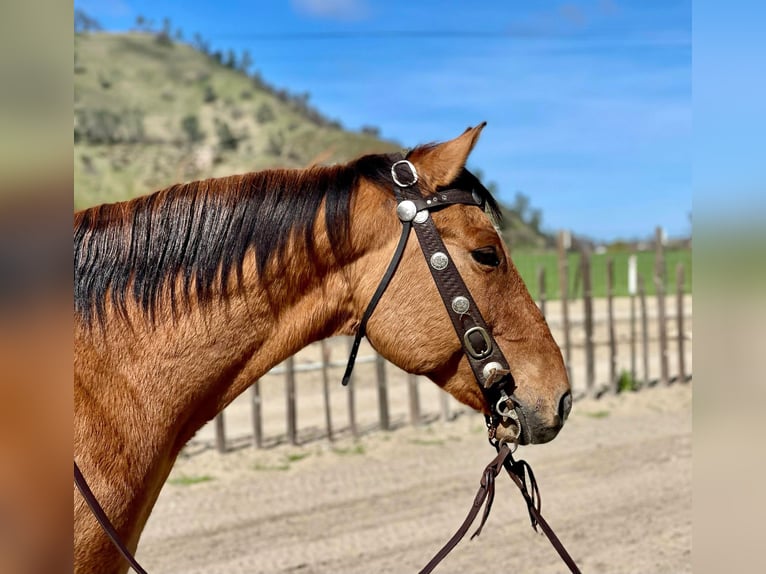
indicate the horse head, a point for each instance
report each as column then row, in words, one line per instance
column 411, row 325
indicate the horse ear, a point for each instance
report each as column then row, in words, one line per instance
column 440, row 164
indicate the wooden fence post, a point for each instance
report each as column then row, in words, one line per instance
column 220, row 433
column 644, row 328
column 564, row 290
column 541, row 287
column 380, row 371
column 632, row 288
column 325, row 349
column 444, row 406
column 292, row 422
column 351, row 398
column 412, row 387
column 590, row 363
column 680, row 322
column 659, row 285
column 613, row 379
column 255, row 403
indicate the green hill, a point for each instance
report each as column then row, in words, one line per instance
column 149, row 113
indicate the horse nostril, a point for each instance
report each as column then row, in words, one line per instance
column 565, row 406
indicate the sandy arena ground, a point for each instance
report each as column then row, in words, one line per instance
column 616, row 487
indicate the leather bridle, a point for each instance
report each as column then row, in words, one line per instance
column 489, row 365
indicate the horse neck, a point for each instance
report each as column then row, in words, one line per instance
column 143, row 390
column 188, row 368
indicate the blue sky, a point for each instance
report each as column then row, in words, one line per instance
column 588, row 101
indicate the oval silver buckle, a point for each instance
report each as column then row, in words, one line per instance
column 473, row 351
column 412, row 170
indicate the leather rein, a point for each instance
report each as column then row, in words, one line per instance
column 489, row 366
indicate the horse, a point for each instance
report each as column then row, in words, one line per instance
column 186, row 296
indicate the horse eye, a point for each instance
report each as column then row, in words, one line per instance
column 486, row 256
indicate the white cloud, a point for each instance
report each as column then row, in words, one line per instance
column 333, row 9
column 105, row 8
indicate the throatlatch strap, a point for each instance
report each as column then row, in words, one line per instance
column 360, row 332
column 103, row 519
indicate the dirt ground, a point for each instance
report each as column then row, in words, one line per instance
column 615, row 484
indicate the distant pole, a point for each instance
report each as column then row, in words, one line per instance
column 659, row 285
column 412, row 386
column 590, row 363
column 444, row 405
column 610, row 320
column 644, row 328
column 220, row 433
column 292, row 412
column 325, row 349
column 380, row 370
column 563, row 244
column 255, row 401
column 632, row 289
column 351, row 398
column 680, row 322
column 541, row 287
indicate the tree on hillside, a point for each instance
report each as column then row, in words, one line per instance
column 190, row 126
column 231, row 59
column 163, row 36
column 84, row 23
column 245, row 61
column 264, row 114
column 209, row 96
column 521, row 205
column 226, row 139
column 199, row 43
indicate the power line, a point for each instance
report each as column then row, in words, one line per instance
column 389, row 34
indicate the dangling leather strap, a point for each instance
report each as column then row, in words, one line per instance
column 486, row 492
column 518, row 471
column 362, row 330
column 103, row 519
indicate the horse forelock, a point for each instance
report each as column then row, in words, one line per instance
column 196, row 235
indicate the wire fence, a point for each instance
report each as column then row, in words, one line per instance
column 610, row 344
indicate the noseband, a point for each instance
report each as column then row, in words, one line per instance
column 489, row 366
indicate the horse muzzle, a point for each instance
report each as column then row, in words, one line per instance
column 539, row 426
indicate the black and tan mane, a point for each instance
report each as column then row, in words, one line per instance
column 202, row 231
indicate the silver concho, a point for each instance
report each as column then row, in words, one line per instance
column 439, row 261
column 490, row 368
column 406, row 210
column 460, row 305
column 421, row 216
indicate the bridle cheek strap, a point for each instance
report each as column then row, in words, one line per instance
column 484, row 355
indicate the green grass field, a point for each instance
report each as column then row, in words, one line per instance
column 528, row 265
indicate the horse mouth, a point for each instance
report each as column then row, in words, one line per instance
column 513, row 430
